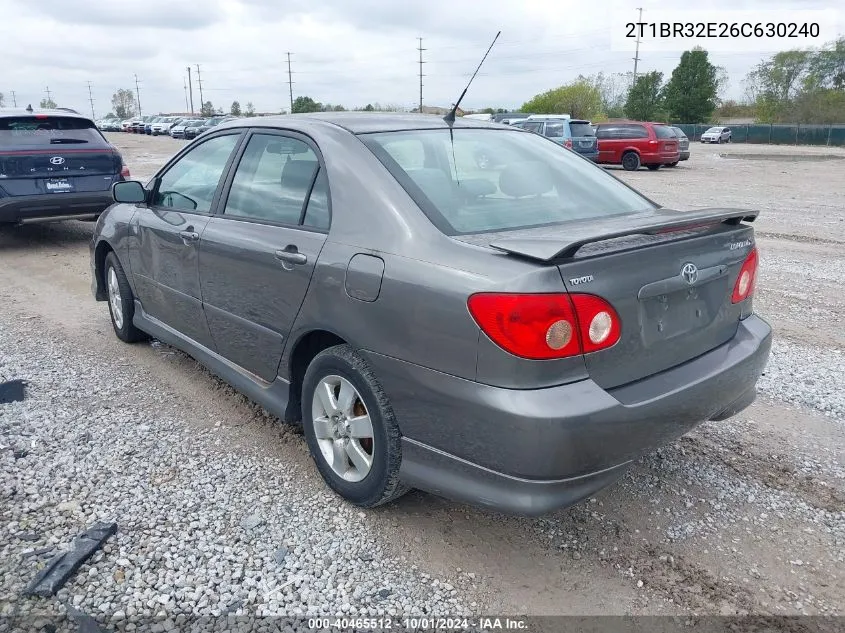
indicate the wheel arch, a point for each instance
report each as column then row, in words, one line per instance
column 303, row 351
column 101, row 251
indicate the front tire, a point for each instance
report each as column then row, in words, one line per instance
column 350, row 428
column 630, row 161
column 121, row 302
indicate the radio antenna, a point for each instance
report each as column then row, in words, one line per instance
column 450, row 118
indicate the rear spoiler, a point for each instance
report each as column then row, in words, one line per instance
column 563, row 243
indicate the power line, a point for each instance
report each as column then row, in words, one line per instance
column 191, row 89
column 91, row 101
column 421, row 49
column 199, row 83
column 637, row 53
column 138, row 94
column 290, row 84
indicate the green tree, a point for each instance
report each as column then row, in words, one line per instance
column 236, row 108
column 645, row 99
column 305, row 104
column 47, row 104
column 123, row 103
column 207, row 109
column 250, row 109
column 690, row 95
column 580, row 99
column 826, row 68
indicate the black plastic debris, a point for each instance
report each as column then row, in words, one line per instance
column 12, row 391
column 85, row 622
column 56, row 573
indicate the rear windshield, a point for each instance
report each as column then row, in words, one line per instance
column 497, row 180
column 47, row 130
column 663, row 131
column 581, row 129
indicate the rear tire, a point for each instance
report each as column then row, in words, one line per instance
column 121, row 302
column 675, row 164
column 630, row 161
column 653, row 167
column 350, row 428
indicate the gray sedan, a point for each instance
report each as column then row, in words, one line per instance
column 513, row 335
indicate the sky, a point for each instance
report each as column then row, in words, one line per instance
column 349, row 52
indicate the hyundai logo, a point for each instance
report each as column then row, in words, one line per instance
column 57, row 160
column 690, row 273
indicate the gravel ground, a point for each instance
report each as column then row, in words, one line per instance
column 209, row 492
column 201, row 528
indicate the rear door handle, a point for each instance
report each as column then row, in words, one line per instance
column 291, row 256
column 189, row 236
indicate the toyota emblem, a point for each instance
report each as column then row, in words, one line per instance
column 690, row 273
column 57, row 160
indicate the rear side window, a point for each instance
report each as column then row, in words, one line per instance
column 663, row 131
column 555, row 130
column 47, row 130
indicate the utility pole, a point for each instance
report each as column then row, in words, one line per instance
column 421, row 49
column 91, row 100
column 14, row 100
column 185, row 86
column 290, row 85
column 138, row 94
column 49, row 98
column 191, row 89
column 637, row 53
column 199, row 82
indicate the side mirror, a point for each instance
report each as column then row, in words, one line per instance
column 129, row 191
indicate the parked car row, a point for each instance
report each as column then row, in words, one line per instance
column 631, row 144
column 173, row 126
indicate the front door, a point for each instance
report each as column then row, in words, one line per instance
column 257, row 256
column 163, row 256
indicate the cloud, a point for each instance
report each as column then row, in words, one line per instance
column 159, row 14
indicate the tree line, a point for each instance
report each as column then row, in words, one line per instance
column 806, row 86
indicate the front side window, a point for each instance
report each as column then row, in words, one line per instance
column 274, row 179
column 190, row 183
column 527, row 181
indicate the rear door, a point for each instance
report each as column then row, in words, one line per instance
column 163, row 254
column 257, row 256
column 47, row 154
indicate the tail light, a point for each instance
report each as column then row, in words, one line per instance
column 124, row 171
column 568, row 143
column 545, row 326
column 744, row 286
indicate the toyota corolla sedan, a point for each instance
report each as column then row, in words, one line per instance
column 514, row 336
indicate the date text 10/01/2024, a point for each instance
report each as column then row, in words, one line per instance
column 420, row 624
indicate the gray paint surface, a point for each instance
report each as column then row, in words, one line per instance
column 479, row 423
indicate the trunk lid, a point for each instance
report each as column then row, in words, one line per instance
column 45, row 154
column 669, row 313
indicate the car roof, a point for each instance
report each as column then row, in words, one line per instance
column 361, row 122
column 16, row 112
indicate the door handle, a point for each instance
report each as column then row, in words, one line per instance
column 291, row 256
column 189, row 236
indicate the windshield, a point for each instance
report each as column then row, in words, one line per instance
column 713, row 130
column 46, row 130
column 495, row 180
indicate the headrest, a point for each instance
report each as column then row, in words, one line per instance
column 531, row 178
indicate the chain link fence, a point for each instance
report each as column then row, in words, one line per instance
column 777, row 134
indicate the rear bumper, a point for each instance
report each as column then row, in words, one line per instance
column 15, row 209
column 593, row 156
column 663, row 158
column 532, row 451
column 685, row 155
